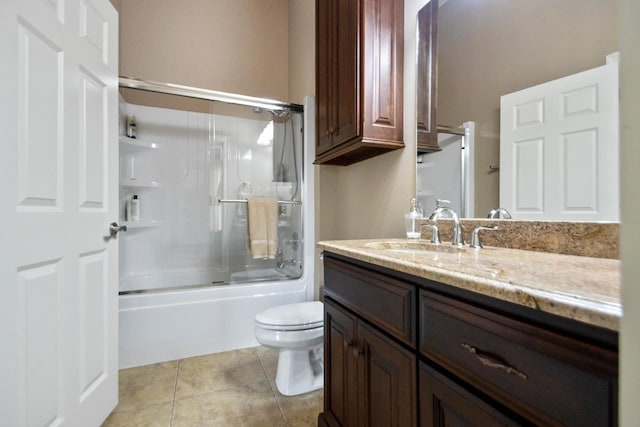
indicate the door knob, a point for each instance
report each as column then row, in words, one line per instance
column 114, row 228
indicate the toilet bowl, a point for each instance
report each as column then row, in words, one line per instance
column 297, row 330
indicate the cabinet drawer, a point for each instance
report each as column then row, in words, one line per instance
column 382, row 300
column 445, row 403
column 547, row 377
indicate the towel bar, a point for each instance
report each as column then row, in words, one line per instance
column 282, row 202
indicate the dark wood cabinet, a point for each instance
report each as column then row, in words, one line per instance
column 443, row 403
column 387, row 380
column 340, row 397
column 427, row 79
column 371, row 381
column 359, row 76
column 548, row 377
column 401, row 349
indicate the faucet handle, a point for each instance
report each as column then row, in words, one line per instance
column 443, row 203
column 435, row 235
column 475, row 236
column 495, row 213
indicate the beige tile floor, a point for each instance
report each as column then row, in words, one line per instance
column 235, row 388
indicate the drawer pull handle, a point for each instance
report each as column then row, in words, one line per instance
column 492, row 362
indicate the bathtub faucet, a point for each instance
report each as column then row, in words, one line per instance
column 281, row 262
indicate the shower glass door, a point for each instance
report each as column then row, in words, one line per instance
column 192, row 165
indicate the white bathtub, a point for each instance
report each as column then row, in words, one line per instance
column 167, row 325
column 161, row 326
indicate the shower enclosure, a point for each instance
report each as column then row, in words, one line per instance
column 188, row 281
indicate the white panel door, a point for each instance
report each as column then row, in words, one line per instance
column 58, row 194
column 559, row 145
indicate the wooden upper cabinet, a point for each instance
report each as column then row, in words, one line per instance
column 427, row 79
column 359, row 70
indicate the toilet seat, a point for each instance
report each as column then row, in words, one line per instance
column 292, row 317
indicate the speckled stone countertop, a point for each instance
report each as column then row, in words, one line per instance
column 582, row 288
column 592, row 239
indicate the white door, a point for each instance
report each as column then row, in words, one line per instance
column 559, row 148
column 58, row 188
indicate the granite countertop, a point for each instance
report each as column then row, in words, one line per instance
column 577, row 287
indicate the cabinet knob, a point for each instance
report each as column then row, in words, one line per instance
column 357, row 349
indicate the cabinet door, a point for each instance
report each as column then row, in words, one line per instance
column 387, row 375
column 325, row 28
column 427, row 79
column 340, row 402
column 445, row 403
column 345, row 95
column 381, row 70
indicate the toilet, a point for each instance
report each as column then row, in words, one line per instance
column 297, row 331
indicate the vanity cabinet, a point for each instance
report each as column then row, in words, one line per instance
column 444, row 403
column 402, row 350
column 359, row 79
column 370, row 377
column 372, row 380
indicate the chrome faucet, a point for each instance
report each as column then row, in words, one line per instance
column 495, row 213
column 281, row 262
column 443, row 206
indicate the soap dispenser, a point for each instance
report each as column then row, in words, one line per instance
column 412, row 221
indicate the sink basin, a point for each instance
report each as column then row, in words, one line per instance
column 409, row 246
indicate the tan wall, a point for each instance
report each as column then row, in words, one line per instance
column 302, row 51
column 630, row 228
column 494, row 47
column 238, row 46
column 369, row 199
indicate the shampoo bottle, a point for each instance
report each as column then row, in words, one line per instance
column 411, row 221
column 131, row 126
column 134, row 208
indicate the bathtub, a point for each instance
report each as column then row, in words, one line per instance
column 161, row 325
column 167, row 325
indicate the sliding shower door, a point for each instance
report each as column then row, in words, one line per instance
column 255, row 153
column 192, row 166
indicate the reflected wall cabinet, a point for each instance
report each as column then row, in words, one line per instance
column 427, row 79
column 359, row 72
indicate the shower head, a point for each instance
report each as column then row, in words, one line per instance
column 280, row 116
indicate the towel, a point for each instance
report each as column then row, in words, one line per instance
column 263, row 227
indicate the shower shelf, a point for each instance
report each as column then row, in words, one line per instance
column 139, row 183
column 136, row 144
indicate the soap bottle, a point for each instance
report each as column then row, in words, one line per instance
column 134, row 209
column 412, row 221
column 131, row 126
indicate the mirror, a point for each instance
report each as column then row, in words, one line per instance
column 489, row 48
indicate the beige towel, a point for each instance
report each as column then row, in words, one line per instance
column 263, row 227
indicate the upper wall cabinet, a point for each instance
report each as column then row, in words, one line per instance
column 427, row 79
column 359, row 70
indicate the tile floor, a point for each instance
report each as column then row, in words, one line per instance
column 235, row 388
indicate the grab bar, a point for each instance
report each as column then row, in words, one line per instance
column 282, row 202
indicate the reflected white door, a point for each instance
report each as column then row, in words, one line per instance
column 559, row 144
column 58, row 194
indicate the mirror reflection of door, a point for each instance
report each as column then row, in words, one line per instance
column 495, row 47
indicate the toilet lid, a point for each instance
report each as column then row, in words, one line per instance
column 305, row 314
